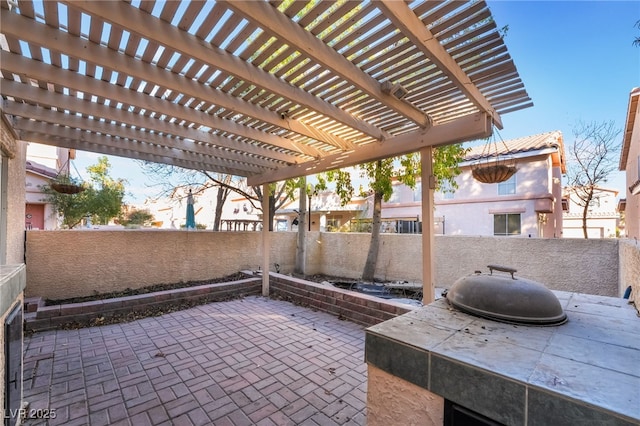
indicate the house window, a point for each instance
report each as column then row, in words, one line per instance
column 506, row 224
column 417, row 193
column 507, row 187
column 333, row 225
column 447, row 190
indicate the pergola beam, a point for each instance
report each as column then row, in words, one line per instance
column 40, row 71
column 281, row 26
column 470, row 127
column 43, row 35
column 156, row 143
column 151, row 28
column 410, row 25
column 85, row 145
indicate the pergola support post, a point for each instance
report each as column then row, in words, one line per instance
column 428, row 186
column 266, row 240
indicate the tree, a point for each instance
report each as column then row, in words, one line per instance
column 137, row 217
column 380, row 174
column 101, row 198
column 591, row 159
column 170, row 177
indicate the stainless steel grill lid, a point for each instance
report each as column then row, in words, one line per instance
column 503, row 297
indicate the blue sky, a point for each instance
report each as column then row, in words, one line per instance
column 576, row 60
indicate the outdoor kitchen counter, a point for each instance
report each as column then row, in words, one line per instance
column 586, row 371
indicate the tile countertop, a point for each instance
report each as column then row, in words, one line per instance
column 586, row 371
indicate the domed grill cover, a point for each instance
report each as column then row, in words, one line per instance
column 506, row 298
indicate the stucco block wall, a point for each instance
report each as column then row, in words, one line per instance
column 75, row 263
column 583, row 266
column 72, row 263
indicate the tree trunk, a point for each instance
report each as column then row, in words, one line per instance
column 372, row 256
column 272, row 211
column 584, row 222
column 585, row 213
column 302, row 229
column 220, row 199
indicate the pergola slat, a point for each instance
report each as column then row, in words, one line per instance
column 262, row 89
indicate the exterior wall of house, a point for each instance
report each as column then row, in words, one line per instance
column 36, row 205
column 13, row 192
column 632, row 210
column 602, row 220
column 12, row 208
column 471, row 209
column 630, row 269
column 86, row 261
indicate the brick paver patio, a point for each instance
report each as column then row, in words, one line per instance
column 242, row 362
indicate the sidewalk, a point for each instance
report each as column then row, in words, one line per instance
column 242, row 362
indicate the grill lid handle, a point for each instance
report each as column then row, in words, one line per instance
column 502, row 269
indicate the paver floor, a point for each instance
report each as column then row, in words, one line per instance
column 242, row 362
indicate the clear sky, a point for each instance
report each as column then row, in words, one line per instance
column 576, row 59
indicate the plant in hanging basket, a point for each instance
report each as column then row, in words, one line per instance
column 66, row 185
column 493, row 173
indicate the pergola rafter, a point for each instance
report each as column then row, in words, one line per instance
column 268, row 90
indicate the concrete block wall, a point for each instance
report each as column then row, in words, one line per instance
column 63, row 264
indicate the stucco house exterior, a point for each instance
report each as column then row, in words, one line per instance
column 529, row 204
column 630, row 162
column 602, row 217
column 44, row 163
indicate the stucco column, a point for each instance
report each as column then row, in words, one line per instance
column 428, row 185
column 266, row 240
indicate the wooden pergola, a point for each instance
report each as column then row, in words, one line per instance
column 268, row 90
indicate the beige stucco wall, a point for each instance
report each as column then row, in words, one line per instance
column 393, row 401
column 578, row 265
column 585, row 266
column 630, row 269
column 15, row 195
column 632, row 167
column 71, row 263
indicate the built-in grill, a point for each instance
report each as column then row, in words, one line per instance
column 503, row 297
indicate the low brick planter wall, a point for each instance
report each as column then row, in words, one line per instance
column 40, row 318
column 360, row 308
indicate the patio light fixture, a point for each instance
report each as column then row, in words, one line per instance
column 394, row 89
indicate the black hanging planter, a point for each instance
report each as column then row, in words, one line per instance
column 492, row 166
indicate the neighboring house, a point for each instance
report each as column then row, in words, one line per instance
column 170, row 212
column 602, row 218
column 529, row 204
column 43, row 163
column 326, row 213
column 630, row 162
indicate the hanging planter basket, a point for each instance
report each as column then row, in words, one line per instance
column 494, row 166
column 67, row 188
column 65, row 184
column 493, row 173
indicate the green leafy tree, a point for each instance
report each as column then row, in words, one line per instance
column 380, row 174
column 137, row 217
column 101, row 198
